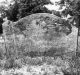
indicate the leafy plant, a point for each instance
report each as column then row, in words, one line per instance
column 22, row 8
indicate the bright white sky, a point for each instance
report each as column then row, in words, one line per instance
column 2, row 0
column 5, row 0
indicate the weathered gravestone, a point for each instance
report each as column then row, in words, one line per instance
column 43, row 33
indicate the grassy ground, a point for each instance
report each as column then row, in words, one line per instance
column 37, row 66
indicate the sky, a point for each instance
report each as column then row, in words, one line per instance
column 5, row 2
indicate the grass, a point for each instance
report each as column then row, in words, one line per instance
column 49, row 68
column 42, row 61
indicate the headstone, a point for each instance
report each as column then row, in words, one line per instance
column 43, row 32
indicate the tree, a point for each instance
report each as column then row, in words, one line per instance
column 22, row 8
column 12, row 12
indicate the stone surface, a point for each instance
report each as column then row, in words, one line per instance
column 42, row 32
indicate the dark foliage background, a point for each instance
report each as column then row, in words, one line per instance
column 22, row 8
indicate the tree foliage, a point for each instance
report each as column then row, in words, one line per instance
column 72, row 7
column 22, row 8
